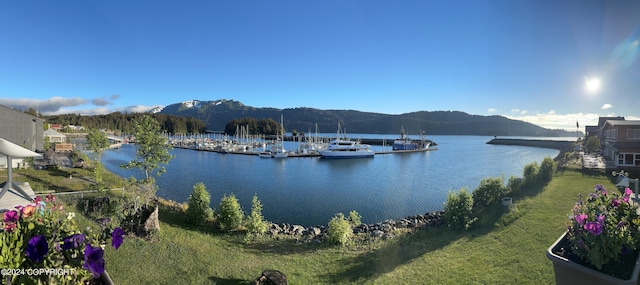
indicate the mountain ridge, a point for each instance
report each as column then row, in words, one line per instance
column 217, row 113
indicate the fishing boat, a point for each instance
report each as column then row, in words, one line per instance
column 404, row 143
column 346, row 148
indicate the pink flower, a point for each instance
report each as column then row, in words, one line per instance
column 580, row 218
column 594, row 228
column 615, row 203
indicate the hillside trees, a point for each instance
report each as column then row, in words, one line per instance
column 266, row 126
column 123, row 122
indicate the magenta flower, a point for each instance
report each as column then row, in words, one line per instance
column 117, row 237
column 581, row 218
column 594, row 228
column 37, row 248
column 627, row 194
column 615, row 203
column 93, row 260
column 11, row 216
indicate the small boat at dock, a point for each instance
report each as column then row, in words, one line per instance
column 404, row 143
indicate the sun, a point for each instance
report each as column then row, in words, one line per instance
column 592, row 84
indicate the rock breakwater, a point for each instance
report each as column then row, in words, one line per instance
column 382, row 230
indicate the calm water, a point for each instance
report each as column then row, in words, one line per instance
column 309, row 191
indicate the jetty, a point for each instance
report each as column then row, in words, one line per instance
column 562, row 146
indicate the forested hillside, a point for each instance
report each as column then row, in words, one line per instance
column 121, row 122
column 217, row 114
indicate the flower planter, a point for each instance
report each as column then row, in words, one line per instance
column 570, row 272
column 507, row 201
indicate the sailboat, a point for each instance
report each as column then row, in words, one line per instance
column 277, row 149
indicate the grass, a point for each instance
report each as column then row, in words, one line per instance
column 62, row 179
column 503, row 247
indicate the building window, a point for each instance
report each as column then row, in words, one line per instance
column 633, row 134
column 611, row 134
column 629, row 159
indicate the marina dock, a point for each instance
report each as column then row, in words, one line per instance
column 253, row 146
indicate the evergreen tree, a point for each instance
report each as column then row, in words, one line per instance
column 199, row 211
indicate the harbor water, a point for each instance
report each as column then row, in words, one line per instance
column 309, row 190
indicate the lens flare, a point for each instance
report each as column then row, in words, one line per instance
column 592, row 84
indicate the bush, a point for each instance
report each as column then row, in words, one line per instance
column 255, row 222
column 593, row 144
column 546, row 170
column 489, row 191
column 354, row 218
column 199, row 211
column 458, row 209
column 230, row 217
column 530, row 173
column 339, row 230
column 514, row 184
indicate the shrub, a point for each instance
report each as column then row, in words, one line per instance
column 339, row 230
column 530, row 173
column 489, row 191
column 593, row 144
column 231, row 214
column 458, row 209
column 255, row 222
column 514, row 184
column 546, row 170
column 199, row 211
column 354, row 218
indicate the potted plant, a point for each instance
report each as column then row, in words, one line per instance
column 600, row 245
column 41, row 244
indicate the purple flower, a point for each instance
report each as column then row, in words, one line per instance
column 93, row 260
column 600, row 219
column 599, row 187
column 620, row 224
column 594, row 228
column 615, row 203
column 11, row 216
column 37, row 248
column 73, row 241
column 103, row 221
column 117, row 237
column 580, row 218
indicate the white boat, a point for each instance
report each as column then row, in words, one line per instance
column 345, row 148
column 277, row 149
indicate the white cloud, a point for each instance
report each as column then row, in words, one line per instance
column 552, row 120
column 518, row 111
column 492, row 110
column 606, row 106
column 52, row 105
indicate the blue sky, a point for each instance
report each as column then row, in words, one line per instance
column 526, row 60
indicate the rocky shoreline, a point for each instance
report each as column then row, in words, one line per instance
column 384, row 230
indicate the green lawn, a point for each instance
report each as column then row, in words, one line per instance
column 502, row 248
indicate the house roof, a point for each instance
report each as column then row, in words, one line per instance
column 624, row 123
column 603, row 120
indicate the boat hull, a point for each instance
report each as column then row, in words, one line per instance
column 346, row 154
